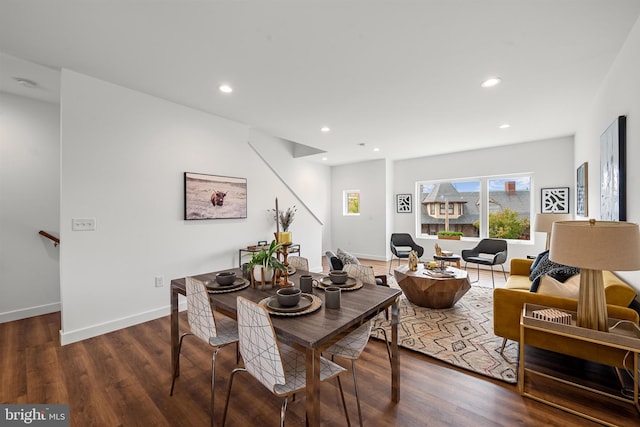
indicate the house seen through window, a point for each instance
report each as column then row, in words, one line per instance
column 496, row 207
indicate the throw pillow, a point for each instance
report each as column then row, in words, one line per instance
column 546, row 266
column 568, row 289
column 537, row 260
column 346, row 257
column 336, row 264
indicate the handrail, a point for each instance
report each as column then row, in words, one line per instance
column 56, row 241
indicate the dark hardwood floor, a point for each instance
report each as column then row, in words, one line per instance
column 123, row 379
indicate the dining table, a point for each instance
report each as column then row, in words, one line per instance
column 311, row 332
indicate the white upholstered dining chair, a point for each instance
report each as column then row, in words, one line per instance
column 278, row 367
column 298, row 262
column 351, row 346
column 202, row 324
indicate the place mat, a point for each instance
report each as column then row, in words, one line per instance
column 215, row 288
column 316, row 303
column 352, row 284
column 274, row 305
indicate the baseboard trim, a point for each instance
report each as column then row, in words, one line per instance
column 68, row 337
column 25, row 313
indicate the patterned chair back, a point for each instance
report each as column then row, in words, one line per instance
column 300, row 263
column 199, row 313
column 258, row 344
column 362, row 272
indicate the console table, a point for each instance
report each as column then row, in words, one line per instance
column 622, row 335
column 293, row 249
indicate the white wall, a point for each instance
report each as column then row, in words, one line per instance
column 364, row 235
column 308, row 185
column 618, row 95
column 29, row 202
column 550, row 162
column 123, row 158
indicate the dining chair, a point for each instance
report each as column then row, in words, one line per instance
column 278, row 367
column 401, row 244
column 298, row 262
column 351, row 346
column 202, row 324
column 366, row 275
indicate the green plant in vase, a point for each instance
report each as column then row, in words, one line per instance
column 266, row 260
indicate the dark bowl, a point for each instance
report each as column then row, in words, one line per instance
column 288, row 297
column 226, row 278
column 338, row 276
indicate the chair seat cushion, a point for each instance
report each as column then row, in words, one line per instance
column 479, row 260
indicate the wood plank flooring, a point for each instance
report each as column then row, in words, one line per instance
column 123, row 379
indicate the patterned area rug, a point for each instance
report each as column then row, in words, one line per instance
column 461, row 335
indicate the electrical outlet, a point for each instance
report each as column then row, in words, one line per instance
column 83, row 224
column 159, row 281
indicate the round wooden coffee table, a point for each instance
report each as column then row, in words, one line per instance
column 433, row 292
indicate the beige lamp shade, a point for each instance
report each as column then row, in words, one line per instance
column 544, row 222
column 594, row 246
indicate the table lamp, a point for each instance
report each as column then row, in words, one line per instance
column 594, row 246
column 544, row 221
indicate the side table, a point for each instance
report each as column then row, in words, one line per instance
column 623, row 336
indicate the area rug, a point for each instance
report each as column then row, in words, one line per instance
column 461, row 335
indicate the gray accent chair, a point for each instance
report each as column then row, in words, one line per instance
column 488, row 252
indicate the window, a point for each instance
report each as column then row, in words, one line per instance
column 351, row 203
column 497, row 207
column 509, row 208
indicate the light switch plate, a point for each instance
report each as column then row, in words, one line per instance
column 83, row 224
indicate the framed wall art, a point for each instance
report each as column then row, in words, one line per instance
column 582, row 190
column 214, row 197
column 613, row 177
column 403, row 203
column 555, row 200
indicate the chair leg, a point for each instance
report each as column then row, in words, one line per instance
column 493, row 282
column 175, row 368
column 226, row 406
column 355, row 385
column 386, row 341
column 213, row 380
column 283, row 410
column 504, row 273
column 504, row 343
column 344, row 403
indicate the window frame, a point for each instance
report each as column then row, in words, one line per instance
column 484, row 211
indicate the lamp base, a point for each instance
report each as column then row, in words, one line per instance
column 592, row 304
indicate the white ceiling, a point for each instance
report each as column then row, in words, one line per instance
column 401, row 76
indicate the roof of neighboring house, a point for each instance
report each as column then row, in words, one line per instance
column 518, row 201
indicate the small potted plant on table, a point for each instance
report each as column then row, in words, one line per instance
column 264, row 264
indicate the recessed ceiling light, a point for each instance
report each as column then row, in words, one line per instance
column 225, row 88
column 490, row 82
column 505, row 126
column 376, row 149
column 325, row 129
column 25, row 82
column 324, row 158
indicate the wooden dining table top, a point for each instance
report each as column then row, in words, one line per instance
column 315, row 330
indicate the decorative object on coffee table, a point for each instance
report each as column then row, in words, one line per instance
column 594, row 246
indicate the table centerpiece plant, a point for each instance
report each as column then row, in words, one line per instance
column 266, row 261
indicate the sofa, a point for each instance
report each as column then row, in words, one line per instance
column 508, row 303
